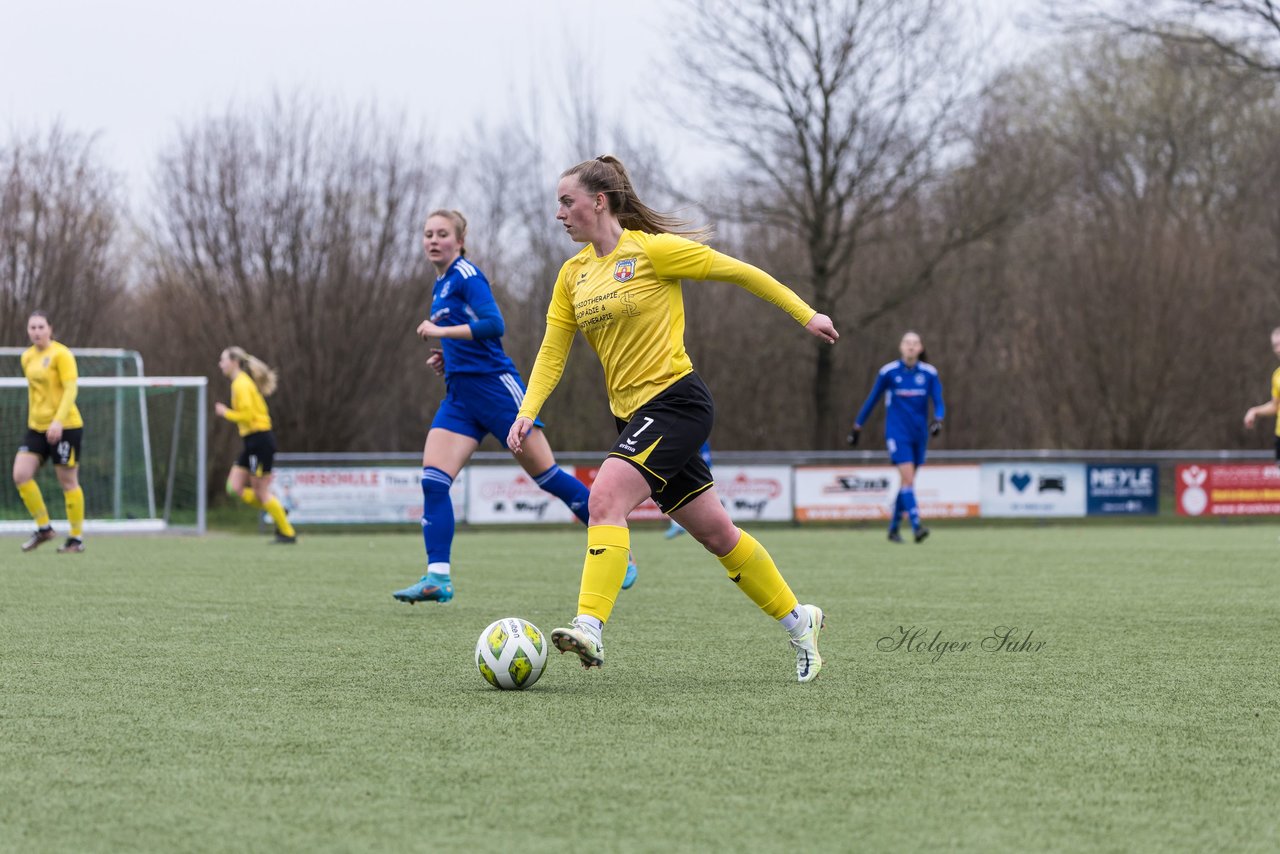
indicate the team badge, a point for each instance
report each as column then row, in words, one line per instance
column 625, row 270
column 919, row 379
column 47, row 359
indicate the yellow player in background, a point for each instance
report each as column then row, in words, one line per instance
column 54, row 429
column 1272, row 406
column 250, row 479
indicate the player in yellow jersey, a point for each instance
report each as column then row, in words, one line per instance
column 622, row 291
column 1272, row 406
column 250, row 478
column 54, row 429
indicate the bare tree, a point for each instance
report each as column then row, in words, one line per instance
column 60, row 212
column 293, row 230
column 840, row 114
column 1243, row 33
column 1130, row 289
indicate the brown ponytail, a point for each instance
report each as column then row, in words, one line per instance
column 607, row 175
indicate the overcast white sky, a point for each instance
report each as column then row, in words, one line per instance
column 131, row 69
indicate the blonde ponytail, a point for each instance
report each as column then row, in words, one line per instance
column 263, row 376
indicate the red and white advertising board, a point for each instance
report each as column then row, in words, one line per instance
column 749, row 493
column 506, row 495
column 825, row 493
column 1228, row 490
column 334, row 495
column 754, row 493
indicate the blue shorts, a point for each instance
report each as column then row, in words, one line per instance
column 906, row 450
column 476, row 404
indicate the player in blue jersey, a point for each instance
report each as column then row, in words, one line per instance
column 906, row 385
column 483, row 393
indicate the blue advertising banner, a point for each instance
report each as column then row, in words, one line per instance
column 1124, row 490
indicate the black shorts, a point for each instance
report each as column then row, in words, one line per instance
column 1278, row 449
column 65, row 453
column 258, row 454
column 663, row 439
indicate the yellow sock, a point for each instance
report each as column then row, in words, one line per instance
column 75, row 510
column 276, row 509
column 30, row 492
column 750, row 567
column 248, row 496
column 603, row 570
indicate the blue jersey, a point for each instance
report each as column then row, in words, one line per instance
column 906, row 392
column 462, row 296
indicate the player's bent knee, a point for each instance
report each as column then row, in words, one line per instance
column 721, row 543
column 605, row 509
column 719, row 539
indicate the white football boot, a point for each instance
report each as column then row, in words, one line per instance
column 581, row 640
column 808, row 661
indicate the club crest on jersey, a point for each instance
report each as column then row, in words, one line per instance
column 625, row 270
column 919, row 379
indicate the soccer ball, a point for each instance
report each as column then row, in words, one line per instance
column 511, row 653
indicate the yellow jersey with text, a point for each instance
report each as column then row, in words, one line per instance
column 248, row 408
column 1275, row 395
column 630, row 308
column 51, row 387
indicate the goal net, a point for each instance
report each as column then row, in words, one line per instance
column 142, row 463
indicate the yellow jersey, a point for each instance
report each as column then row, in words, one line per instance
column 629, row 306
column 51, row 387
column 248, row 408
column 1275, row 395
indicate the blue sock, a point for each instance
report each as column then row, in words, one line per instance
column 897, row 513
column 437, row 515
column 909, row 504
column 567, row 488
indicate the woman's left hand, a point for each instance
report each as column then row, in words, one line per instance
column 427, row 329
column 820, row 326
column 220, row 408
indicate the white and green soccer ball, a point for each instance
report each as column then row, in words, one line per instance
column 511, row 653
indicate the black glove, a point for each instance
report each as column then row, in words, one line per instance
column 935, row 427
column 852, row 438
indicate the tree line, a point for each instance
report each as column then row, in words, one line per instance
column 1086, row 241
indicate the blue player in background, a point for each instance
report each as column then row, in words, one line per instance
column 483, row 393
column 906, row 385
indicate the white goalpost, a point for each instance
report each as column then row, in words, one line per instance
column 142, row 464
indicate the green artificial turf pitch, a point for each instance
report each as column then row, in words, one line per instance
column 165, row 694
